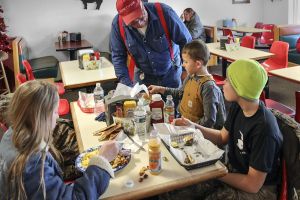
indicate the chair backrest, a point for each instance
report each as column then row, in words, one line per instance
column 281, row 50
column 290, row 130
column 262, row 97
column 227, row 32
column 267, row 37
column 257, row 25
column 248, row 41
column 20, row 53
column 21, row 78
column 297, row 115
column 28, row 70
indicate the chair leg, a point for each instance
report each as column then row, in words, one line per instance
column 267, row 90
column 297, row 115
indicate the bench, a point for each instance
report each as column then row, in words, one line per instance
column 289, row 34
column 211, row 36
column 42, row 67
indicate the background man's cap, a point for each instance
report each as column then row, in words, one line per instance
column 247, row 77
column 129, row 10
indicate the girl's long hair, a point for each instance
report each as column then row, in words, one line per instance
column 31, row 112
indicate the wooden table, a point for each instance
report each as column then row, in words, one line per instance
column 246, row 29
column 74, row 77
column 241, row 53
column 289, row 73
column 172, row 177
column 72, row 47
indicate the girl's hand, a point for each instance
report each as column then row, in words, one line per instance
column 109, row 150
column 154, row 89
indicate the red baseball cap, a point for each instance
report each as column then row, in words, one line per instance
column 129, row 10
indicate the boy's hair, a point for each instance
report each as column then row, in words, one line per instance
column 197, row 50
column 30, row 112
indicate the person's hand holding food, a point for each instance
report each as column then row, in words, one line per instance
column 154, row 89
column 109, row 150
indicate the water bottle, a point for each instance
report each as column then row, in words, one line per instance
column 140, row 126
column 169, row 110
column 98, row 98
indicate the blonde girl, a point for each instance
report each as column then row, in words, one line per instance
column 28, row 169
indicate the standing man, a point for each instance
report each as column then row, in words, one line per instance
column 157, row 55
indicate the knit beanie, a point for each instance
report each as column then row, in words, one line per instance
column 247, row 77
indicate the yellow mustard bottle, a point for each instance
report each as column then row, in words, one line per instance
column 129, row 107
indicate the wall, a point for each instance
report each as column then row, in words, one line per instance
column 39, row 21
column 276, row 11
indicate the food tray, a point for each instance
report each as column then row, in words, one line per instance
column 191, row 166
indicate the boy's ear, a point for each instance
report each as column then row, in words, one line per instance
column 199, row 63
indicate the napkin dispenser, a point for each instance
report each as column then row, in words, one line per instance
column 110, row 103
column 75, row 37
column 80, row 53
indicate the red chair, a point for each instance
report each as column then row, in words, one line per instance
column 297, row 115
column 258, row 35
column 280, row 59
column 248, row 41
column 270, row 103
column 63, row 108
column 218, row 79
column 30, row 76
column 267, row 37
column 21, row 78
column 227, row 32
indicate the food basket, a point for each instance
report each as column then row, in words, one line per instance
column 85, row 110
column 188, row 146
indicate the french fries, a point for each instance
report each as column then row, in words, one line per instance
column 109, row 132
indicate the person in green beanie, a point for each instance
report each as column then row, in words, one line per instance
column 253, row 137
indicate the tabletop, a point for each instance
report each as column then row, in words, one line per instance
column 173, row 175
column 289, row 73
column 68, row 45
column 74, row 77
column 246, row 29
column 241, row 53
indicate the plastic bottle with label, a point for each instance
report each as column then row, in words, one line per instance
column 157, row 109
column 169, row 110
column 140, row 126
column 98, row 98
column 154, row 153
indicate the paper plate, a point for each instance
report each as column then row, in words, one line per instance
column 82, row 160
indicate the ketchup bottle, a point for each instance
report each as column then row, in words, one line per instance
column 157, row 109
